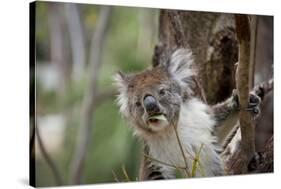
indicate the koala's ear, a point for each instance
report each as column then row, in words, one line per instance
column 120, row 79
column 180, row 67
column 121, row 82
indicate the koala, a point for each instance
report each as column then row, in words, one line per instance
column 164, row 106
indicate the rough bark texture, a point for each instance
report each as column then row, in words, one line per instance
column 244, row 82
column 213, row 41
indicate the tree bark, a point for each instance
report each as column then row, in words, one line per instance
column 244, row 82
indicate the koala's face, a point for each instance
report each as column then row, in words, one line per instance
column 151, row 100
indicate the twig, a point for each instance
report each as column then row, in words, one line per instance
column 201, row 169
column 125, row 173
column 48, row 159
column 195, row 161
column 181, row 148
column 115, row 176
column 77, row 41
column 243, row 85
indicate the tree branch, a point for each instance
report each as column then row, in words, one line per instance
column 182, row 151
column 90, row 99
column 77, row 40
column 253, row 28
column 48, row 159
column 243, row 85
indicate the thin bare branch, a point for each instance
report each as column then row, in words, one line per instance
column 182, row 151
column 90, row 99
column 196, row 161
column 58, row 52
column 125, row 173
column 115, row 176
column 77, row 40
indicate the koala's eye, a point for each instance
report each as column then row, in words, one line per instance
column 138, row 104
column 162, row 92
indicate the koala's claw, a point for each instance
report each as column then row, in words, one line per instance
column 253, row 105
column 254, row 100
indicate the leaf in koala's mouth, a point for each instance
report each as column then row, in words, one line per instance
column 158, row 117
column 152, row 120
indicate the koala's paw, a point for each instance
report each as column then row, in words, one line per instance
column 253, row 105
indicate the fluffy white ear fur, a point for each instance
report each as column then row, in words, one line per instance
column 180, row 67
column 120, row 81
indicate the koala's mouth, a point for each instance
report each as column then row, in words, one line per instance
column 155, row 119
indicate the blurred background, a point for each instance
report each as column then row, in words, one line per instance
column 78, row 49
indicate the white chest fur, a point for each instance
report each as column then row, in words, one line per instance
column 194, row 129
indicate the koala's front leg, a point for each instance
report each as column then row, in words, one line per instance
column 224, row 110
column 226, row 115
column 150, row 170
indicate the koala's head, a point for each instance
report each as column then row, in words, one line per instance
column 151, row 100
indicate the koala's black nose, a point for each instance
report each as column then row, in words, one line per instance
column 150, row 104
